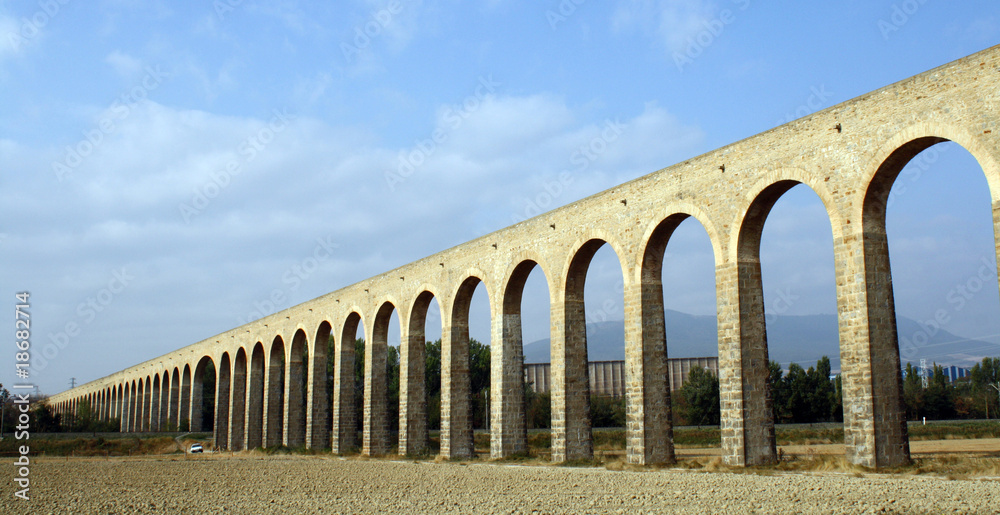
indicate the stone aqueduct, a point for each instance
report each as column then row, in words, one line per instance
column 849, row 155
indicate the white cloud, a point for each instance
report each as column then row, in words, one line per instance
column 670, row 22
column 120, row 206
column 125, row 65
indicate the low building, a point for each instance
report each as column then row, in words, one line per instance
column 608, row 377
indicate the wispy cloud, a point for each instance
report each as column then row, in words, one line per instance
column 671, row 23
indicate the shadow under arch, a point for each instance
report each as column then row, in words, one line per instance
column 238, row 406
column 184, row 409
column 174, row 399
column 202, row 401
column 222, row 388
column 146, row 400
column 154, row 407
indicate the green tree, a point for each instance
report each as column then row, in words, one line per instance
column 779, row 393
column 84, row 422
column 46, row 421
column 983, row 377
column 913, row 393
column 432, row 383
column 701, row 392
column 607, row 411
column 938, row 404
column 538, row 408
column 479, row 381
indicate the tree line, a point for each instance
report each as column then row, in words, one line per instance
column 798, row 396
column 801, row 396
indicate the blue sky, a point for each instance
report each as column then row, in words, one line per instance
column 174, row 164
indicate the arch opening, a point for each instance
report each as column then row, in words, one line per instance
column 930, row 248
column 203, row 395
column 274, row 394
column 255, row 398
column 348, row 386
column 320, row 366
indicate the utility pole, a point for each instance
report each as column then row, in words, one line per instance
column 4, row 395
column 996, row 386
column 72, row 382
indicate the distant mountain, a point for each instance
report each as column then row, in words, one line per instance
column 791, row 339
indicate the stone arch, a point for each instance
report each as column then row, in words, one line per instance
column 163, row 416
column 412, row 391
column 203, row 402
column 584, row 249
column 509, row 436
column 375, row 436
column 223, row 385
column 456, row 392
column 345, row 421
column 154, row 409
column 760, row 198
column 650, row 438
column 146, row 398
column 255, row 397
column 184, row 407
column 746, row 395
column 120, row 410
column 173, row 420
column 293, row 408
column 571, row 425
column 274, row 393
column 238, row 402
column 318, row 422
column 659, row 231
column 875, row 379
column 133, row 405
column 885, row 164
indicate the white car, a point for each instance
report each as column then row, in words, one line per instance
column 196, row 448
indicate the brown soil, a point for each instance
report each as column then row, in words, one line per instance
column 255, row 483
